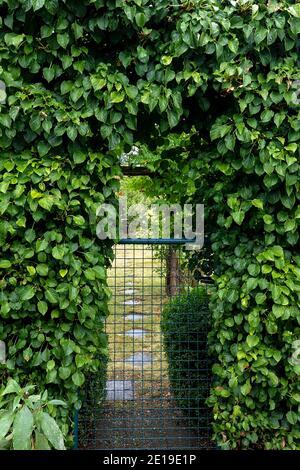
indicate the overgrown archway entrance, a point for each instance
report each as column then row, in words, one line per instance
column 145, row 406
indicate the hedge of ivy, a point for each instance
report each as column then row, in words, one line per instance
column 84, row 80
column 54, row 174
column 185, row 325
column 242, row 161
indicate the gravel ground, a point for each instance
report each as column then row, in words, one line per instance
column 144, row 424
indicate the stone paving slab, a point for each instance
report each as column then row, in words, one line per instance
column 119, row 390
column 136, row 333
column 139, row 359
column 134, row 317
column 132, row 302
column 129, row 291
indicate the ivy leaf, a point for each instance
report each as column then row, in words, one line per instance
column 42, row 307
column 49, row 74
column 79, row 157
column 46, row 202
column 246, row 388
column 267, row 115
column 258, row 203
column 78, row 378
column 295, row 10
column 11, row 387
column 42, row 269
column 173, row 117
column 37, row 4
column 289, row 225
column 79, row 220
column 90, row 274
column 27, row 293
column 97, row 82
column 117, row 97
column 12, row 39
column 41, row 245
column 43, row 148
column 238, row 217
column 166, row 60
column 31, row 270
column 126, row 58
column 140, row 19
column 78, row 30
column 64, row 372
column 58, row 252
column 219, row 131
column 63, row 39
column 292, row 417
column 100, row 272
column 5, row 264
column 260, row 298
column 252, row 341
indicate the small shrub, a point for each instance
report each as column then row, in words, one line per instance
column 185, row 321
column 25, row 420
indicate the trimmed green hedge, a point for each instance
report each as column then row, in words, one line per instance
column 185, row 323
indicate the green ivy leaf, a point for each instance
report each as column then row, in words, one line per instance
column 27, row 293
column 49, row 74
column 238, row 217
column 117, row 97
column 42, row 307
column 63, row 39
column 12, row 39
column 5, row 264
column 58, row 252
column 78, row 378
column 140, row 19
column 252, row 341
column 37, row 4
column 42, row 269
column 46, row 202
column 78, row 220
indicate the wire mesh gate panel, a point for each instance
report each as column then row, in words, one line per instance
column 145, row 406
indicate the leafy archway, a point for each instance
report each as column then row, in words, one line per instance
column 84, row 81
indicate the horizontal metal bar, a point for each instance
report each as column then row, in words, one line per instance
column 155, row 241
column 129, row 170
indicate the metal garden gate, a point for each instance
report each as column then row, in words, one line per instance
column 141, row 408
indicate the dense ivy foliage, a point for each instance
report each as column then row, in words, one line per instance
column 53, row 177
column 242, row 161
column 86, row 79
column 185, row 324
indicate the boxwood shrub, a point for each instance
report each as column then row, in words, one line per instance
column 185, row 323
